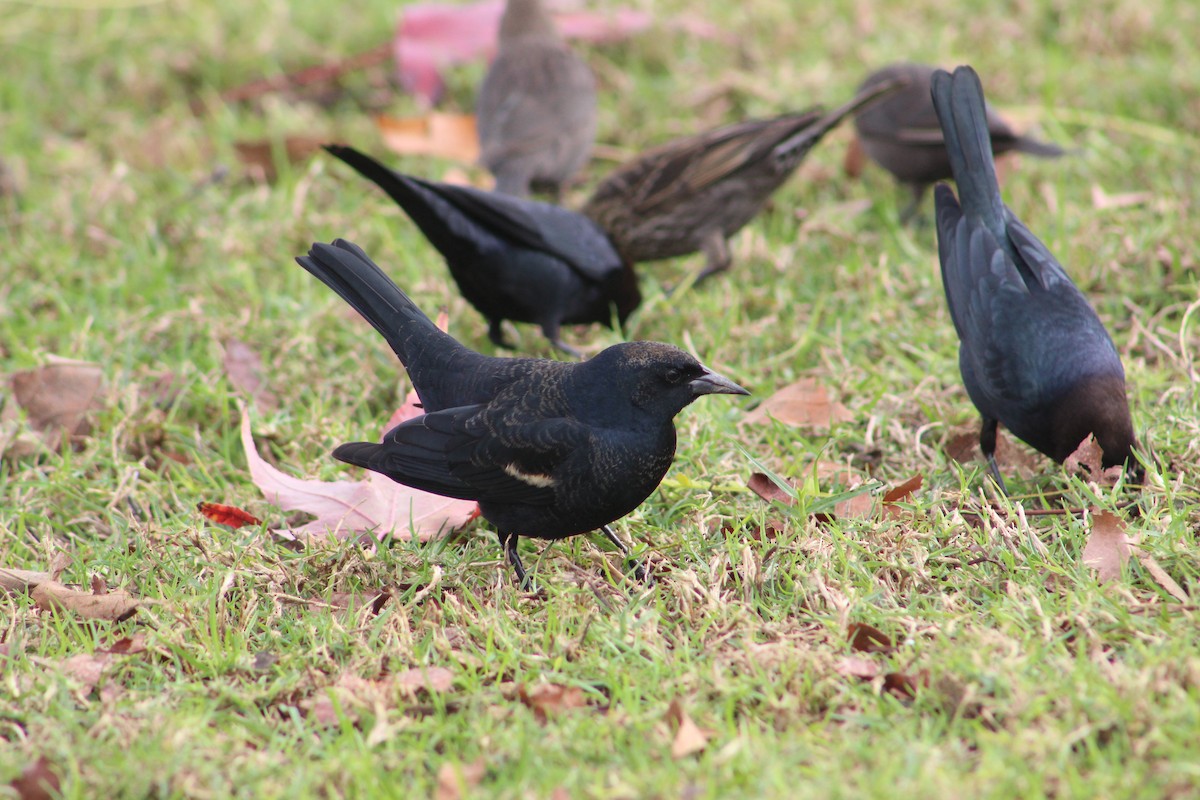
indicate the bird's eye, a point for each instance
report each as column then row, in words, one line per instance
column 673, row 376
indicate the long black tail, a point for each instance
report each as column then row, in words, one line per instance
column 420, row 345
column 958, row 100
column 789, row 152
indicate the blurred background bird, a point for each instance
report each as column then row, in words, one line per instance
column 1033, row 353
column 548, row 449
column 691, row 194
column 536, row 109
column 513, row 259
column 901, row 132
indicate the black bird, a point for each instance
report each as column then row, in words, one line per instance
column 512, row 258
column 901, row 133
column 537, row 105
column 693, row 193
column 549, row 449
column 1033, row 353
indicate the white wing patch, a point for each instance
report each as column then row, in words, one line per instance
column 531, row 478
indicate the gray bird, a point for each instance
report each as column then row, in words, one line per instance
column 1033, row 353
column 691, row 194
column 536, row 110
column 901, row 132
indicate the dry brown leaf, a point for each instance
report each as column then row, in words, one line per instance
column 39, row 781
column 87, row 668
column 1162, row 578
column 689, row 738
column 804, row 403
column 426, row 679
column 550, row 699
column 126, row 646
column 455, row 781
column 24, row 580
column 905, row 686
column 902, row 492
column 112, row 606
column 1089, row 458
column 244, row 368
column 857, row 667
column 1107, row 547
column 768, row 490
column 855, row 158
column 56, row 399
column 867, row 639
column 438, row 134
column 963, row 447
column 1102, row 201
column 258, row 157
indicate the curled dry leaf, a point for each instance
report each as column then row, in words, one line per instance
column 112, row 606
column 437, row 134
column 803, row 404
column 455, row 780
column 1107, row 547
column 857, row 667
column 689, row 738
column 550, row 699
column 56, row 399
column 855, row 159
column 1089, row 459
column 39, row 781
column 905, row 686
column 867, row 639
column 768, row 489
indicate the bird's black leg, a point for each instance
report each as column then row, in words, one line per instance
column 551, row 330
column 496, row 335
column 909, row 212
column 716, row 253
column 639, row 571
column 987, row 443
column 508, row 543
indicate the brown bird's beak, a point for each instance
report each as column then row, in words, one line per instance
column 715, row 383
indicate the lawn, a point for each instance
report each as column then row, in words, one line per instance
column 135, row 239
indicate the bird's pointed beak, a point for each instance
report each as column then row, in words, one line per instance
column 715, row 383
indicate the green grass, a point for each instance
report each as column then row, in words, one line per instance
column 118, row 250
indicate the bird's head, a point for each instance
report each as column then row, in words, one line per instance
column 657, row 378
column 1098, row 406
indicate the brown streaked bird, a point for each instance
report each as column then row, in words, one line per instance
column 901, row 132
column 536, row 109
column 548, row 449
column 691, row 194
column 1033, row 353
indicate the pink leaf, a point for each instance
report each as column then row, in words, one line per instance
column 433, row 36
column 344, row 508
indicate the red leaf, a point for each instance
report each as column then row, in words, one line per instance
column 768, row 489
column 231, row 516
column 866, row 639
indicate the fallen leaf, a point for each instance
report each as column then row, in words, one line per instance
column 113, row 606
column 244, row 368
column 437, row 134
column 258, row 156
column 229, row 516
column 455, row 780
column 768, row 490
column 804, row 404
column 1162, row 578
column 550, row 699
column 867, row 639
column 376, row 504
column 126, row 646
column 1089, row 459
column 353, row 601
column 39, row 781
column 1102, row 201
column 855, row 158
column 426, row 679
column 1107, row 547
column 857, row 667
column 87, row 668
column 902, row 492
column 964, row 448
column 56, row 399
column 432, row 36
column 905, row 686
column 689, row 738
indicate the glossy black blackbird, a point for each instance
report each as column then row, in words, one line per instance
column 692, row 194
column 549, row 449
column 536, row 109
column 514, row 259
column 901, row 133
column 1033, row 353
